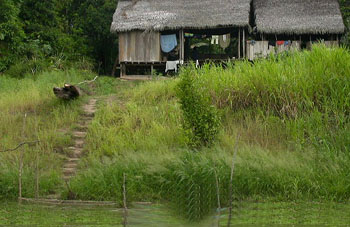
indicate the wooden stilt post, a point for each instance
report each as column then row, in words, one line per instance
column 239, row 43
column 182, row 45
column 244, row 43
column 115, row 66
column 122, row 69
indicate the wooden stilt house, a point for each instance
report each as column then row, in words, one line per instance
column 155, row 33
column 281, row 25
column 142, row 26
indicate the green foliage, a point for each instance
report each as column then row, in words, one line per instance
column 37, row 65
column 290, row 111
column 201, row 119
column 191, row 185
column 45, row 116
column 345, row 8
column 137, row 118
column 33, row 66
column 307, row 92
column 292, row 114
column 93, row 23
column 11, row 33
column 104, row 181
column 70, row 28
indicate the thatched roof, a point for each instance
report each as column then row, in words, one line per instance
column 298, row 17
column 173, row 14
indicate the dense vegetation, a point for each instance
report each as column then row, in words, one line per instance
column 291, row 113
column 57, row 29
column 45, row 117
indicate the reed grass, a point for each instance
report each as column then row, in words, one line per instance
column 291, row 112
column 48, row 120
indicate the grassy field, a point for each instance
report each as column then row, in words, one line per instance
column 290, row 116
column 291, row 113
column 246, row 213
column 48, row 120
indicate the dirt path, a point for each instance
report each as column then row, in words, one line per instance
column 70, row 165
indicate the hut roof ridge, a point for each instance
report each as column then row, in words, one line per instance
column 173, row 14
column 298, row 17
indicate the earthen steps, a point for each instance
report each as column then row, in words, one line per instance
column 79, row 134
column 70, row 166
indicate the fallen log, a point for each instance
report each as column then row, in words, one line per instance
column 67, row 92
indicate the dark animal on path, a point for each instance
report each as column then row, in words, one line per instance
column 67, row 92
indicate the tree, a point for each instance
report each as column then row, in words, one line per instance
column 11, row 33
column 93, row 20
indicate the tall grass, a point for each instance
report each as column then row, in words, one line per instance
column 46, row 116
column 291, row 111
column 307, row 92
column 141, row 118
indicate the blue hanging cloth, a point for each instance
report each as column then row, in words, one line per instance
column 168, row 42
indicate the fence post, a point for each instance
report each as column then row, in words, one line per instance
column 37, row 149
column 231, row 179
column 218, row 198
column 37, row 173
column 125, row 221
column 21, row 162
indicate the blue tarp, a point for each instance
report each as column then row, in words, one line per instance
column 168, row 42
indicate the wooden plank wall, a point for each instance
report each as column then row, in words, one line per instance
column 139, row 46
column 259, row 49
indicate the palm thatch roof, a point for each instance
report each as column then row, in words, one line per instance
column 298, row 17
column 174, row 14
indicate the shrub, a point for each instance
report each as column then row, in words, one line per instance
column 201, row 118
column 27, row 66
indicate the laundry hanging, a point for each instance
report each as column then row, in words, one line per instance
column 224, row 41
column 287, row 43
column 215, row 39
column 168, row 42
column 272, row 43
column 280, row 42
column 172, row 65
column 251, row 42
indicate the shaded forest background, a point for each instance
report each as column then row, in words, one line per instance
column 60, row 31
column 36, row 34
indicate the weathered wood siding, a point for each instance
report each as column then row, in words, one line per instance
column 139, row 46
column 259, row 49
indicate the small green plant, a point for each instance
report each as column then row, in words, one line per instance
column 201, row 118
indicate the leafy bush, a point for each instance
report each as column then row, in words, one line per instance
column 27, row 66
column 201, row 118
